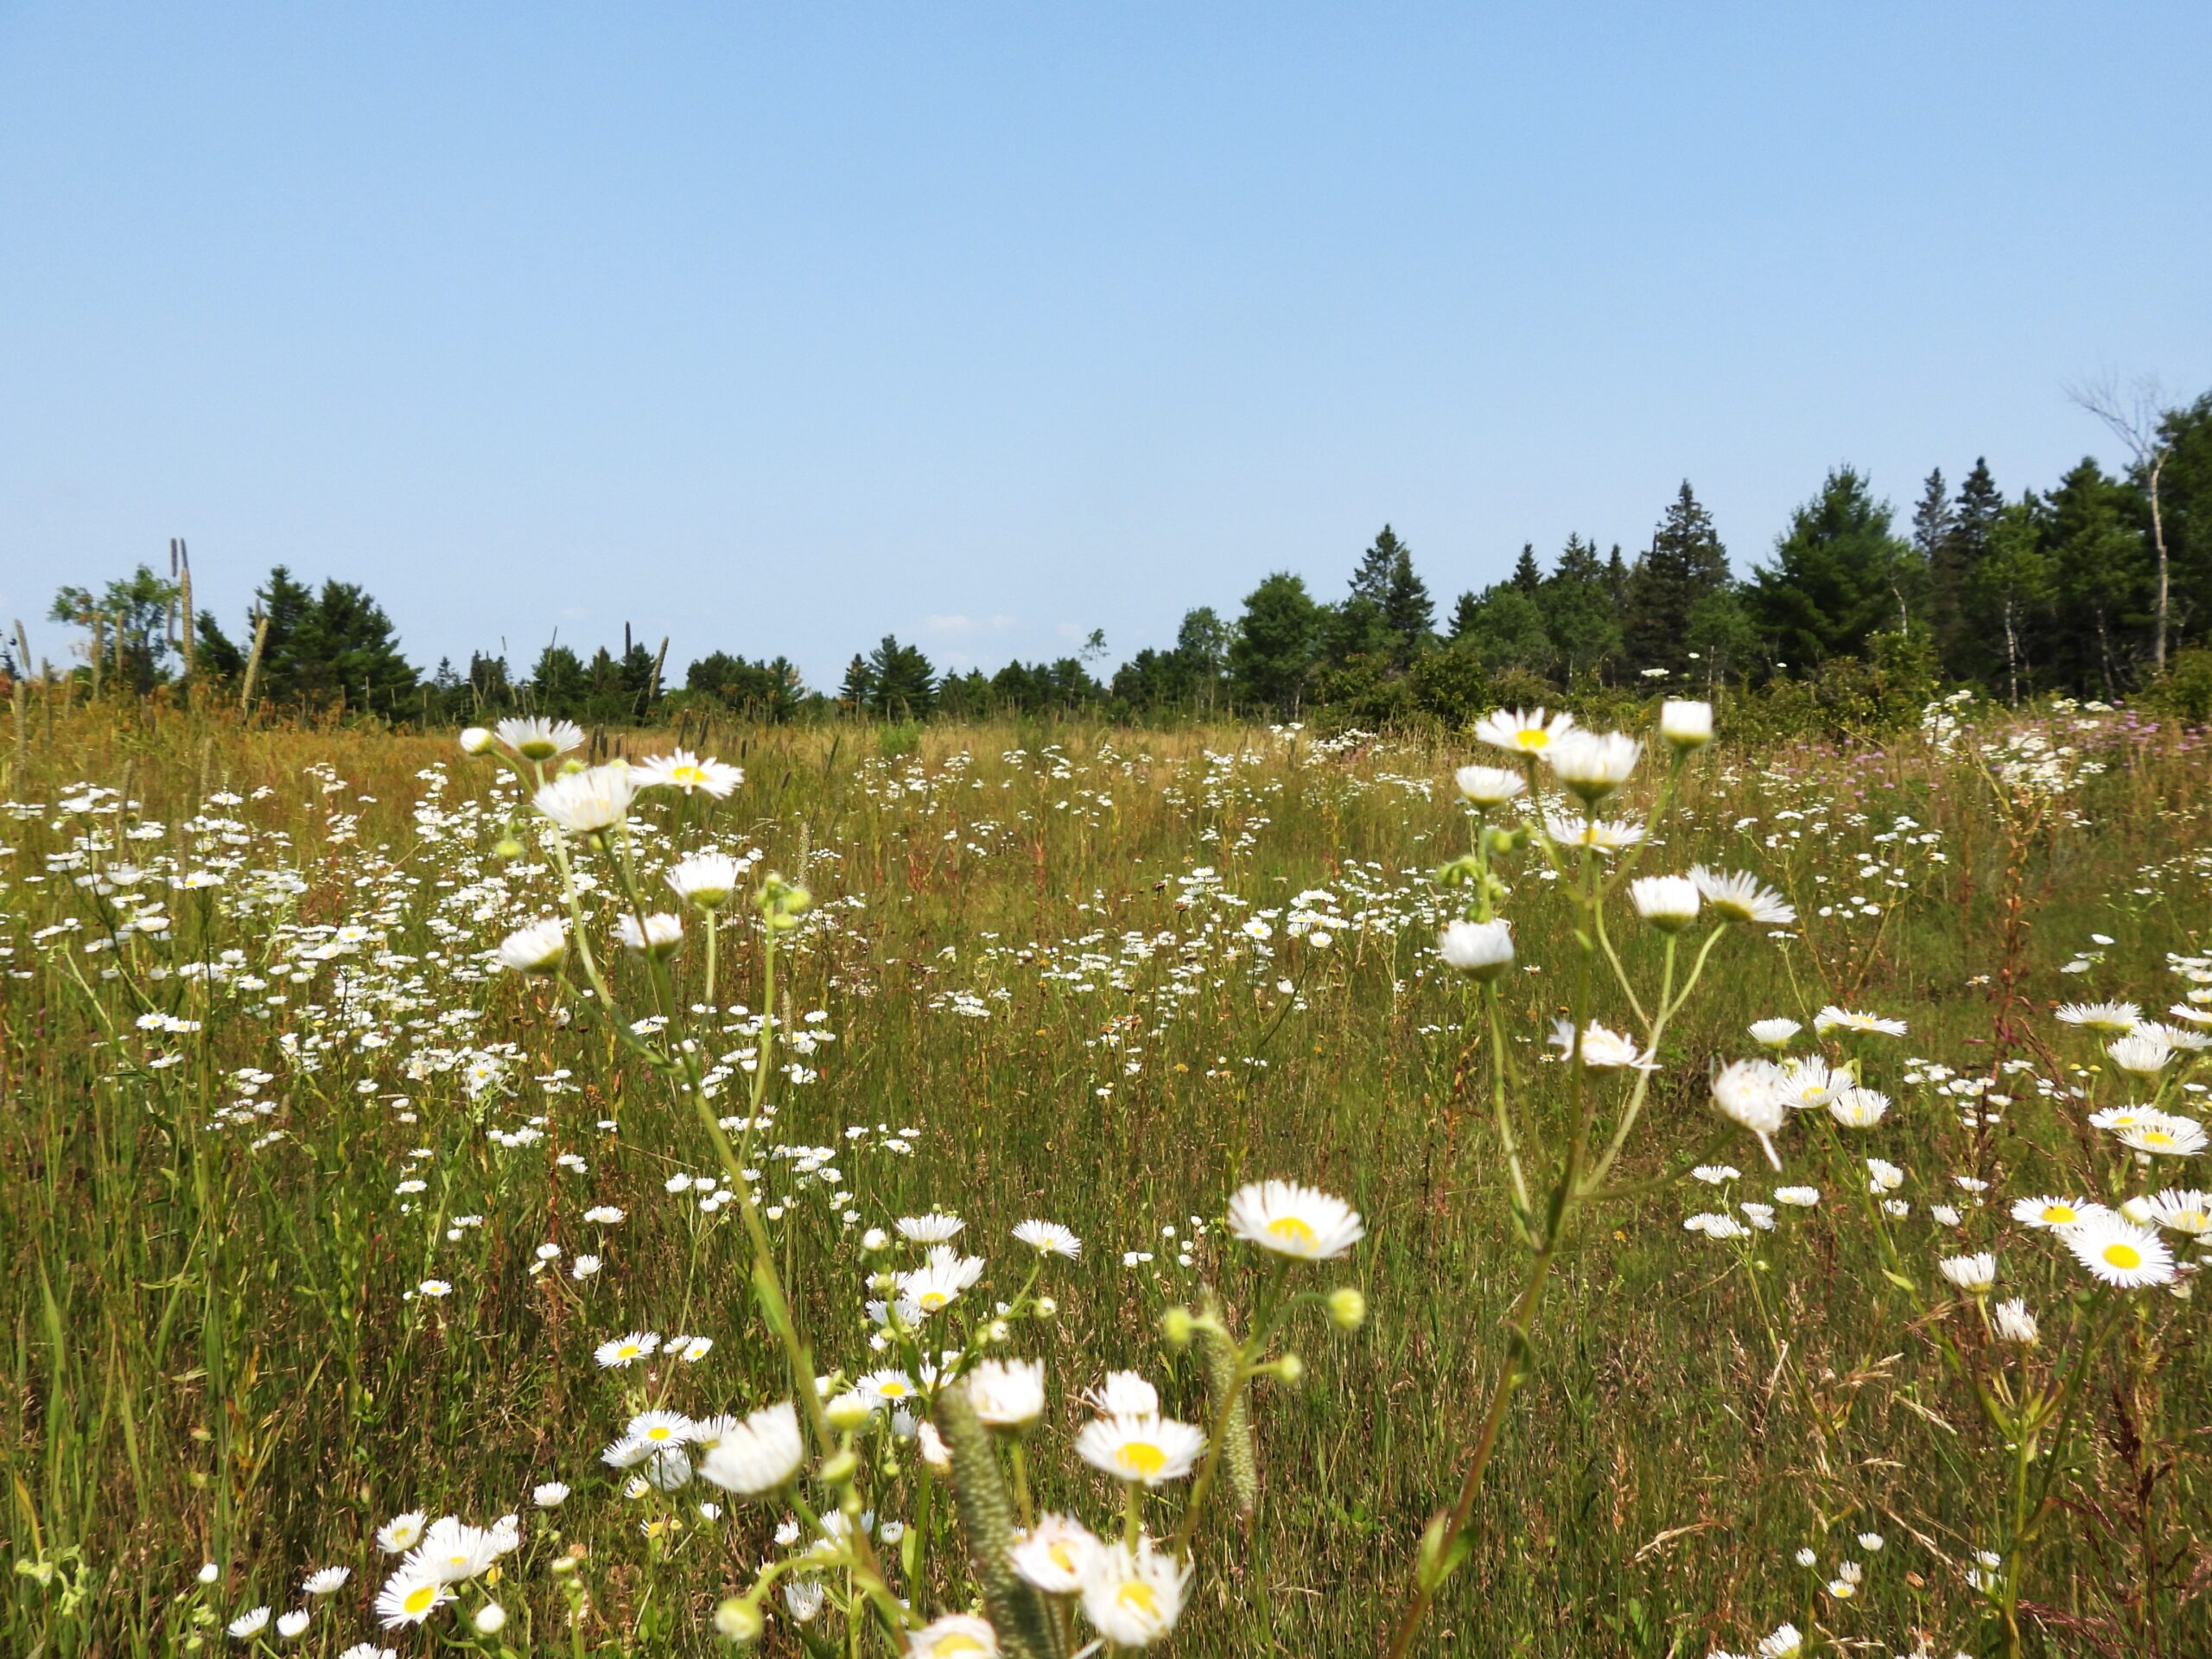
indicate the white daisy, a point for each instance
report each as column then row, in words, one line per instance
column 690, row 772
column 759, row 1455
column 2119, row 1253
column 1295, row 1221
column 1523, row 733
column 1150, row 1450
column 1049, row 1238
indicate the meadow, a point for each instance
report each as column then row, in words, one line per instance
column 332, row 1196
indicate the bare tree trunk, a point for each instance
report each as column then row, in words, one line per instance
column 2158, row 544
column 2011, row 655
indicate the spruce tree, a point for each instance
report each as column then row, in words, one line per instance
column 1407, row 608
column 1528, row 576
column 1685, row 563
column 1463, row 612
column 1834, row 582
column 1967, row 643
column 1578, row 611
column 1376, row 568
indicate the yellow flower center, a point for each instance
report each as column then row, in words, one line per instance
column 2123, row 1256
column 689, row 775
column 2058, row 1214
column 1140, row 1595
column 933, row 1299
column 1293, row 1230
column 959, row 1642
column 1061, row 1556
column 657, row 1432
column 1142, row 1457
column 628, row 1351
column 2156, row 1138
column 421, row 1599
column 1532, row 738
column 893, row 1390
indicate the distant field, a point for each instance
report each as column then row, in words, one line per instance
column 297, row 1182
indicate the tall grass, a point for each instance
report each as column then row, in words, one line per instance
column 1025, row 990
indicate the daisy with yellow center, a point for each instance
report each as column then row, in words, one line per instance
column 1146, row 1451
column 1521, row 732
column 1286, row 1220
column 2120, row 1254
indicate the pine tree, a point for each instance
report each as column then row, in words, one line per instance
column 1834, row 579
column 1407, row 610
column 1378, row 567
column 1463, row 612
column 1966, row 642
column 2101, row 579
column 1528, row 576
column 904, row 682
column 857, row 694
column 1685, row 562
column 1578, row 611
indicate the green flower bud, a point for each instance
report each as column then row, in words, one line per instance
column 738, row 1620
column 1347, row 1307
column 1177, row 1326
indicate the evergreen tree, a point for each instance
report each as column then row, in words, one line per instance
column 288, row 606
column 2101, row 573
column 2012, row 581
column 1407, row 610
column 344, row 652
column 1276, row 642
column 857, row 694
column 1685, row 562
column 1964, row 637
column 1507, row 630
column 558, row 687
column 1528, row 576
column 1464, row 613
column 1378, row 567
column 1357, row 628
column 1578, row 611
column 903, row 685
column 1835, row 577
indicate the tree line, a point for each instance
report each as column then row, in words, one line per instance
column 2099, row 584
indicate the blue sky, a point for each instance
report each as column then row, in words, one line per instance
column 778, row 329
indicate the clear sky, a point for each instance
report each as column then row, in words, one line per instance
column 780, row 328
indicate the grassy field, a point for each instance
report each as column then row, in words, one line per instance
column 298, row 1183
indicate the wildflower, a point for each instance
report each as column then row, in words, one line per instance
column 583, row 1266
column 1602, row 1050
column 247, row 1626
column 1668, row 902
column 662, row 932
column 410, row 1597
column 2183, row 1211
column 549, row 1495
column 658, row 1429
column 1746, row 1094
column 1738, row 897
column 688, row 771
column 292, row 1623
column 1774, row 1033
column 1716, row 1174
column 590, row 802
column 1799, row 1198
column 2045, row 1212
column 1133, row 1596
column 1123, row 1393
column 1489, row 785
column 1871, row 1543
column 1591, row 765
column 930, row 1229
column 475, row 739
column 1295, row 1221
column 625, row 1350
column 1148, row 1449
column 2140, row 1055
column 1008, row 1393
column 2172, row 1137
column 2110, row 1018
column 1975, row 1274
column 1783, row 1642
column 1523, row 733
column 1055, row 1555
column 2014, row 1323
column 887, row 1386
column 489, row 1619
column 1883, row 1176
column 1049, row 1238
column 1859, row 1109
column 2119, row 1253
column 691, row 1349
column 453, row 1551
column 802, row 1599
column 956, row 1635
column 1831, row 1018
column 541, row 739
column 759, row 1455
column 435, row 1289
column 325, row 1581
column 705, row 880
column 1685, row 724
column 402, row 1533
column 1482, row 951
column 936, row 1284
column 1606, row 834
column 538, row 949
column 1807, row 1084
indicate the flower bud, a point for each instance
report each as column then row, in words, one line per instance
column 475, row 741
column 1290, row 1368
column 1347, row 1307
column 491, row 1619
column 1176, row 1325
column 738, row 1620
column 1685, row 725
column 1047, row 1308
column 840, row 1469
